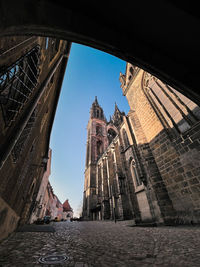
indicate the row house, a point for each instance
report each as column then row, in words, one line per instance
column 31, row 74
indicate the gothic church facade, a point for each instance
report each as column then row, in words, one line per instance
column 144, row 165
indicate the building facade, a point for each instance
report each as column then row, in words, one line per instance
column 67, row 210
column 31, row 74
column 144, row 165
column 41, row 200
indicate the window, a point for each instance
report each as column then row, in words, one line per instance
column 17, row 83
column 99, row 148
column 174, row 110
column 125, row 139
column 47, row 43
column 87, row 154
column 111, row 135
column 131, row 70
column 122, row 185
column 98, row 130
column 136, row 179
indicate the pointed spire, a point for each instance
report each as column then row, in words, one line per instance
column 116, row 107
column 117, row 117
column 96, row 101
column 96, row 110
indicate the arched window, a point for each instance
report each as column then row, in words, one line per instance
column 99, row 148
column 97, row 113
column 136, row 178
column 125, row 139
column 174, row 110
column 131, row 70
column 87, row 154
column 98, row 129
column 111, row 135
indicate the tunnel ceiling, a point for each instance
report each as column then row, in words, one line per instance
column 162, row 37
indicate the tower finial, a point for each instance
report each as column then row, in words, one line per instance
column 116, row 107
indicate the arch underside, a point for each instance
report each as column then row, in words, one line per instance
column 161, row 37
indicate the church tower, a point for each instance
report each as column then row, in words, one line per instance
column 97, row 142
column 117, row 117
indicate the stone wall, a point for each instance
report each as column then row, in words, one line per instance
column 172, row 153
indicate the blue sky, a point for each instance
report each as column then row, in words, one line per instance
column 89, row 73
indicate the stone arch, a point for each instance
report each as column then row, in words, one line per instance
column 111, row 135
column 65, row 21
column 112, row 132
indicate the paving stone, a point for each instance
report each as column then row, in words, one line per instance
column 36, row 228
column 91, row 244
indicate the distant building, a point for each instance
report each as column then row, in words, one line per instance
column 39, row 208
column 67, row 210
column 51, row 204
column 59, row 207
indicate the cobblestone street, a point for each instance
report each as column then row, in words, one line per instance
column 104, row 244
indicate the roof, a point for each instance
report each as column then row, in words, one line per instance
column 66, row 206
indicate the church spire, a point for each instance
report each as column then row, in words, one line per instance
column 96, row 102
column 117, row 117
column 96, row 110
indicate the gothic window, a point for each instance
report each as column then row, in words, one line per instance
column 136, row 179
column 173, row 109
column 87, row 154
column 99, row 148
column 97, row 113
column 17, row 83
column 131, row 70
column 125, row 139
column 111, row 135
column 122, row 185
column 98, row 130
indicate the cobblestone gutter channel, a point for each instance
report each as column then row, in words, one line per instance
column 98, row 244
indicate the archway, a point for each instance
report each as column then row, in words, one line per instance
column 163, row 37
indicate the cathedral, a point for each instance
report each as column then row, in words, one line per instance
column 144, row 165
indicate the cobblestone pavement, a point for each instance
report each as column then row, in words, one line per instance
column 104, row 244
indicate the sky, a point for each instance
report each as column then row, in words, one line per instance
column 89, row 73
